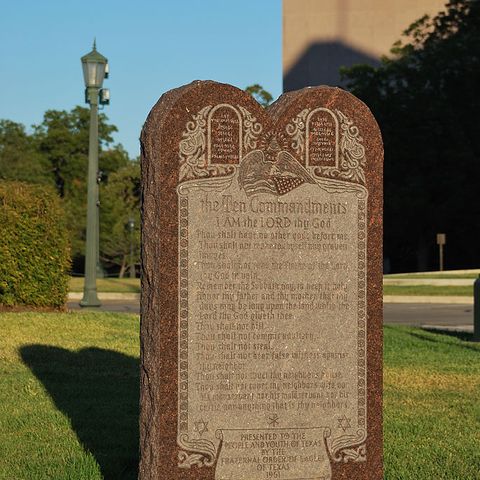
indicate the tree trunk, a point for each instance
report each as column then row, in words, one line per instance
column 122, row 268
column 422, row 255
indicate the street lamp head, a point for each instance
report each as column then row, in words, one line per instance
column 94, row 67
column 131, row 224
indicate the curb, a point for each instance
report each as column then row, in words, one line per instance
column 448, row 328
column 435, row 272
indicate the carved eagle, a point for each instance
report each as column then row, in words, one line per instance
column 278, row 177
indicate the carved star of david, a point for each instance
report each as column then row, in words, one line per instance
column 273, row 420
column 344, row 423
column 201, row 426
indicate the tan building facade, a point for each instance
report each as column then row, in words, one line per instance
column 320, row 36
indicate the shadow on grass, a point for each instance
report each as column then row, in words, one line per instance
column 98, row 390
column 466, row 337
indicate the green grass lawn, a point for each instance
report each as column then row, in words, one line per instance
column 69, row 400
column 432, row 406
column 464, row 291
column 68, row 396
column 117, row 285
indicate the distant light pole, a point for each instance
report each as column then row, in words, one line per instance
column 95, row 69
column 476, row 310
column 131, row 227
column 441, row 241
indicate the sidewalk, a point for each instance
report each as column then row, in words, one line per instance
column 448, row 328
column 106, row 296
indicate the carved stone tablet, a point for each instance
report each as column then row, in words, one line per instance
column 261, row 325
column 224, row 140
column 321, row 137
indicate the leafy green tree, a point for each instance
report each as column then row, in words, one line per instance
column 263, row 97
column 62, row 140
column 120, row 203
column 426, row 99
column 19, row 158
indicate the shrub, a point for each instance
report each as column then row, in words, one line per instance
column 34, row 249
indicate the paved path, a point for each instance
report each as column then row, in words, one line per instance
column 416, row 314
column 456, row 316
column 128, row 306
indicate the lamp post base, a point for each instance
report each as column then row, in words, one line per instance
column 90, row 299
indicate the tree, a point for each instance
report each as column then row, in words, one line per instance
column 63, row 137
column 62, row 140
column 426, row 99
column 263, row 97
column 19, row 158
column 120, row 203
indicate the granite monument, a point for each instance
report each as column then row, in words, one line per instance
column 261, row 307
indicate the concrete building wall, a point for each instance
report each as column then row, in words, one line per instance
column 320, row 36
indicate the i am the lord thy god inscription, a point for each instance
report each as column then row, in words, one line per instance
column 261, row 289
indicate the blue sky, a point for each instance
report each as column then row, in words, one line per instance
column 152, row 46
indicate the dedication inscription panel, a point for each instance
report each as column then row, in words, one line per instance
column 272, row 334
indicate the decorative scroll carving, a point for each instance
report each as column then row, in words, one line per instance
column 349, row 448
column 206, row 184
column 352, row 152
column 198, row 452
column 296, row 130
column 339, row 186
column 252, row 130
column 192, row 147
